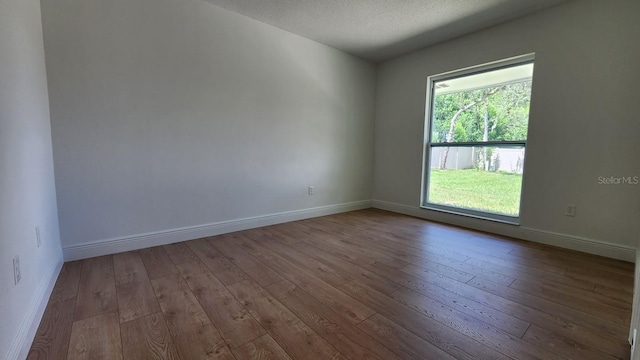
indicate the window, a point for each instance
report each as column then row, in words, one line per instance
column 475, row 139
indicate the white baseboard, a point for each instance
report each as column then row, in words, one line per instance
column 141, row 241
column 586, row 245
column 19, row 348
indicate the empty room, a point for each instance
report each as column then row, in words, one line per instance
column 279, row 179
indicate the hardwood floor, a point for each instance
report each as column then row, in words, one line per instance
column 367, row 284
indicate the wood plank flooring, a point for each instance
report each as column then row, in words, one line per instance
column 366, row 284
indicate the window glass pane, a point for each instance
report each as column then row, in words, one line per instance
column 489, row 106
column 484, row 178
column 477, row 131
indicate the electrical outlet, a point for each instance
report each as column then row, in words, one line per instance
column 16, row 270
column 38, row 241
column 310, row 190
column 570, row 210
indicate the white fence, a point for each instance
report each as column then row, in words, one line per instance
column 502, row 159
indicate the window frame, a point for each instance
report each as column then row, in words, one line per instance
column 428, row 144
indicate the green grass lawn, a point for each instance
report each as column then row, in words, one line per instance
column 476, row 189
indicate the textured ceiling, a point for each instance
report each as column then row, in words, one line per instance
column 381, row 29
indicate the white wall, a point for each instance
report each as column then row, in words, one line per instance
column 173, row 114
column 583, row 124
column 27, row 189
